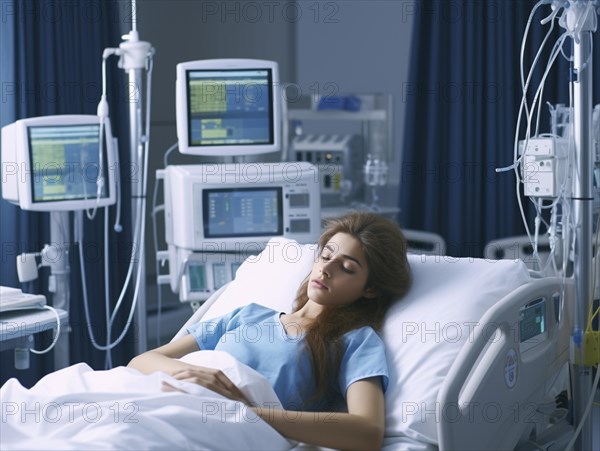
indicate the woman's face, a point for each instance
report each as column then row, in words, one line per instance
column 339, row 275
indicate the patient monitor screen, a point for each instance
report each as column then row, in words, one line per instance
column 230, row 107
column 64, row 162
column 242, row 212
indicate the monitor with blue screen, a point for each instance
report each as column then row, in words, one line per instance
column 53, row 163
column 243, row 212
column 228, row 107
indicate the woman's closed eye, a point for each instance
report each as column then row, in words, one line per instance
column 326, row 257
column 346, row 268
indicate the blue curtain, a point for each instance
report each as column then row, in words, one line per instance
column 51, row 64
column 462, row 101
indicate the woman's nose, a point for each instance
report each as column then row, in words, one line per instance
column 325, row 270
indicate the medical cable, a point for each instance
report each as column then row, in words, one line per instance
column 524, row 89
column 523, row 45
column 539, row 108
column 524, row 108
column 517, row 159
column 552, row 15
column 100, row 179
column 536, row 235
column 552, row 237
column 102, row 113
column 109, row 345
column 79, row 241
column 523, row 104
column 141, row 203
column 554, row 53
column 56, row 334
column 538, row 55
column 118, row 189
column 168, row 153
column 551, row 228
column 525, row 85
column 538, row 94
column 138, row 234
column 108, row 358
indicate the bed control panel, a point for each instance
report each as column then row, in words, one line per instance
column 532, row 324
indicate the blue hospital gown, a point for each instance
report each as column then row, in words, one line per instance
column 255, row 336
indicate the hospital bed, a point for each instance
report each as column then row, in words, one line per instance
column 422, row 242
column 519, row 247
column 475, row 350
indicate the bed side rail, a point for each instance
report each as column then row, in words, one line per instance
column 490, row 396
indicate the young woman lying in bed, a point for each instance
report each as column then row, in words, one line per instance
column 324, row 360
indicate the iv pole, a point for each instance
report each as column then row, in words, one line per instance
column 582, row 13
column 134, row 54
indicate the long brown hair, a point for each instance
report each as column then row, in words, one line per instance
column 389, row 276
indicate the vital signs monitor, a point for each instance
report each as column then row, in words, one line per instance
column 218, row 214
column 53, row 163
column 228, row 107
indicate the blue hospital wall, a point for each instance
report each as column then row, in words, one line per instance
column 358, row 47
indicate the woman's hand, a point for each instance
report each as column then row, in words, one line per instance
column 210, row 378
column 166, row 359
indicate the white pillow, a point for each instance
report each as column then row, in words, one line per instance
column 423, row 332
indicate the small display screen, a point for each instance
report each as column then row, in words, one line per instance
column 532, row 320
column 65, row 162
column 220, row 275
column 242, row 212
column 230, row 107
column 300, row 225
column 197, row 277
column 299, row 200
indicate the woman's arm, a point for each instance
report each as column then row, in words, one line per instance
column 361, row 428
column 165, row 358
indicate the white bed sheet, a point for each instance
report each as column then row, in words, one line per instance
column 79, row 408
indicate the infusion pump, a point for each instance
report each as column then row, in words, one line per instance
column 216, row 215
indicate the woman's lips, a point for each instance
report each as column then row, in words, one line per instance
column 319, row 284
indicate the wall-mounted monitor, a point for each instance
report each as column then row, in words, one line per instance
column 53, row 163
column 228, row 107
